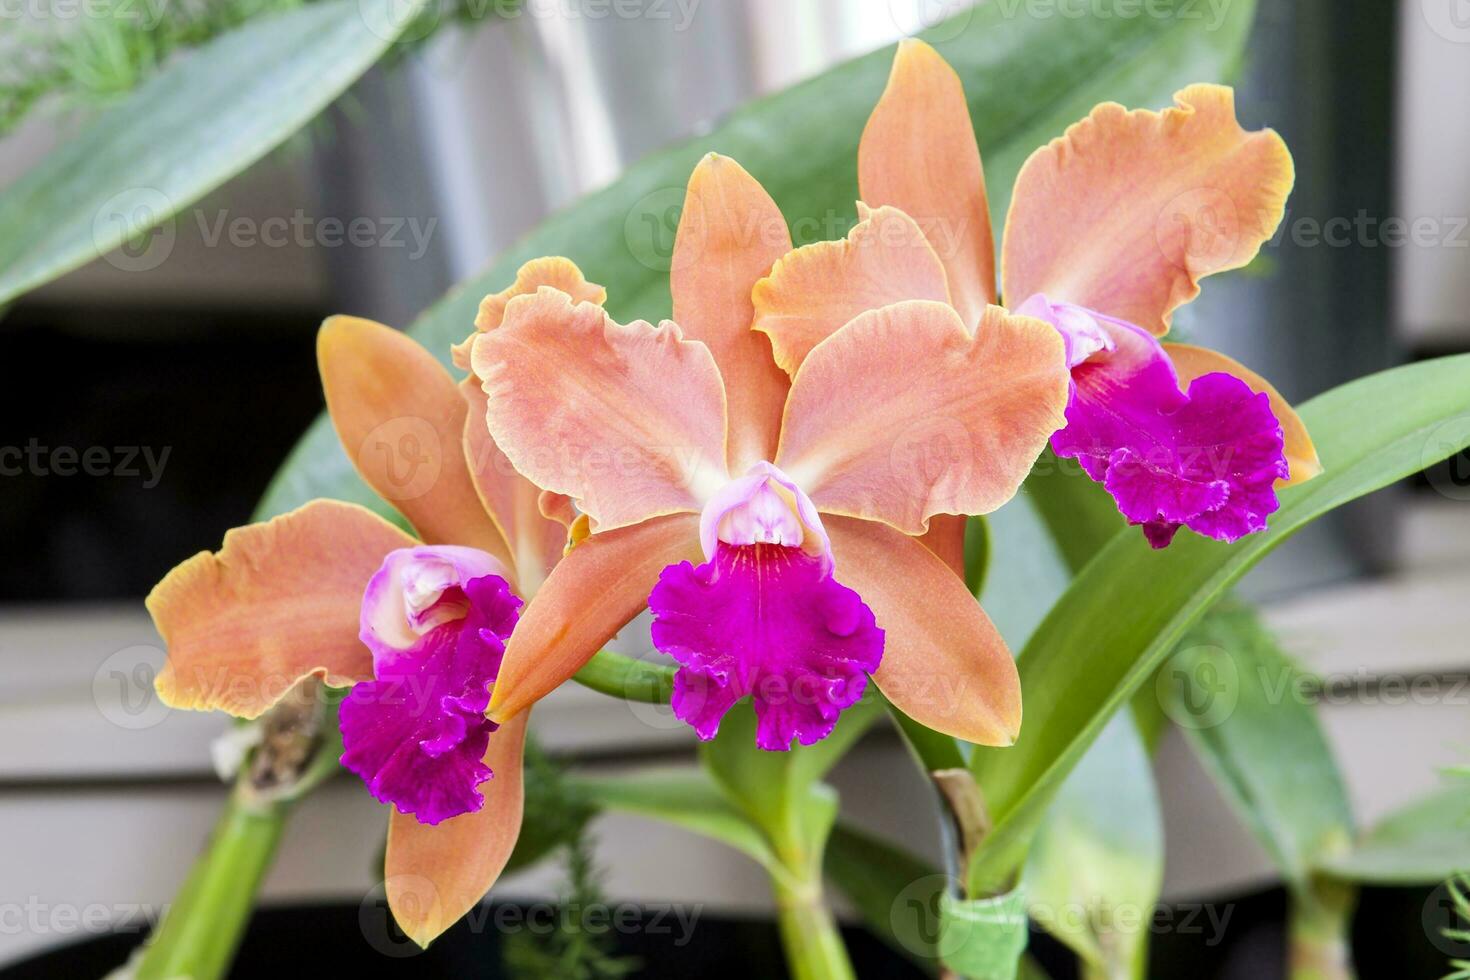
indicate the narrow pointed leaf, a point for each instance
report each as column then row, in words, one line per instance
column 1106, row 636
column 1233, row 693
column 1424, row 843
column 184, row 132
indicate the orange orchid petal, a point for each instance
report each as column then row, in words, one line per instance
column 434, row 875
column 592, row 593
column 903, row 414
column 629, row 420
column 401, row 419
column 730, row 233
column 513, row 501
column 918, row 153
column 557, row 507
column 946, row 538
column 277, row 603
column 551, row 270
column 814, row 290
column 1301, row 455
column 1129, row 210
column 944, row 663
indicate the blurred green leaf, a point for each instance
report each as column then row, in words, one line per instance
column 684, row 798
column 1233, row 694
column 556, row 811
column 1097, row 864
column 772, row 787
column 188, row 129
column 1425, row 843
column 977, row 554
column 1027, row 78
column 1101, row 846
column 984, row 938
column 896, row 893
column 1108, row 634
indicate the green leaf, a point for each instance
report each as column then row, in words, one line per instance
column 896, row 893
column 1236, row 697
column 1101, row 847
column 188, row 129
column 1424, row 843
column 1098, row 857
column 977, row 554
column 556, row 812
column 983, row 938
column 683, row 798
column 772, row 787
column 1109, row 633
column 1026, row 78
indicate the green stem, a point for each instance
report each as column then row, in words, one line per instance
column 809, row 935
column 621, row 676
column 199, row 934
column 1319, row 947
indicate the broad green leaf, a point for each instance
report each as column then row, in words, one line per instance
column 1101, row 847
column 1235, row 696
column 896, row 893
column 1098, row 857
column 1109, row 633
column 1424, row 843
column 184, row 132
column 684, row 798
column 1027, row 78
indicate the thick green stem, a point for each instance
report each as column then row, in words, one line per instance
column 621, row 676
column 203, row 927
column 1319, row 945
column 809, row 935
column 297, row 750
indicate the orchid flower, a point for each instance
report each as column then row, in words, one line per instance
column 1110, row 229
column 767, row 521
column 416, row 629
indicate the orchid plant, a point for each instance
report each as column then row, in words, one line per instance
column 783, row 475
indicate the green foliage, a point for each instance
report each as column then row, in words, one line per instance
column 1234, row 694
column 571, row 951
column 1107, row 635
column 1459, row 889
column 191, row 126
column 94, row 60
column 557, row 810
column 1423, row 843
